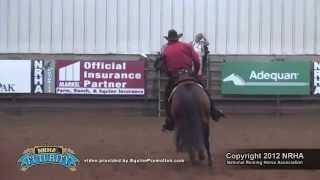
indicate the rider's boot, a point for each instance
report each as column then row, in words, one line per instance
column 169, row 123
column 216, row 114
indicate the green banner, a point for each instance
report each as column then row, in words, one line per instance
column 266, row 78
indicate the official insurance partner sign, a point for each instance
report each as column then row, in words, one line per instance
column 100, row 77
column 266, row 78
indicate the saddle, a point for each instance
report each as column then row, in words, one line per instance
column 183, row 77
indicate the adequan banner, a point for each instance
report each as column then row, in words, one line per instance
column 110, row 77
column 266, row 78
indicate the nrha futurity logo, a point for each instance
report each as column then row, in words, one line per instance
column 48, row 155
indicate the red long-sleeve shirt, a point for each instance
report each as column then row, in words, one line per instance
column 179, row 55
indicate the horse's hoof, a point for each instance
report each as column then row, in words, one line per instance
column 202, row 157
column 195, row 163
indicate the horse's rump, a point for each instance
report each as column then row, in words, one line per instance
column 190, row 110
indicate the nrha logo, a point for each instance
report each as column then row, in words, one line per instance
column 316, row 79
column 38, row 76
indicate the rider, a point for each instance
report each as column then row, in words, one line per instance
column 179, row 56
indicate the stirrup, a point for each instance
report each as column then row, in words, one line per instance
column 216, row 114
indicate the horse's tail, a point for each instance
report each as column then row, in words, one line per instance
column 189, row 134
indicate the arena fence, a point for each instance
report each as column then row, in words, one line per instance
column 154, row 83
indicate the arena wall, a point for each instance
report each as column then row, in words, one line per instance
column 264, row 27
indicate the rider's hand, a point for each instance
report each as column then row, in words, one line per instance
column 200, row 77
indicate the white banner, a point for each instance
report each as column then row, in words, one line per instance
column 15, row 76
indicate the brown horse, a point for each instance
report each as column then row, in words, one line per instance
column 190, row 109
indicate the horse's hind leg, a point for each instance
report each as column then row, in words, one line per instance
column 201, row 155
column 201, row 152
column 192, row 155
column 207, row 143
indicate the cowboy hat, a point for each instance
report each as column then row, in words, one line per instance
column 173, row 35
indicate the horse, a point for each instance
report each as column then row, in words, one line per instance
column 190, row 110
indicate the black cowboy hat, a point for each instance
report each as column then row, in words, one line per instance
column 173, row 35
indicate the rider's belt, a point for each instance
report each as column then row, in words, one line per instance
column 181, row 72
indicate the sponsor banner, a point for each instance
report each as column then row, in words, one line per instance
column 15, row 76
column 42, row 76
column 266, row 78
column 37, row 85
column 316, row 77
column 49, row 76
column 100, row 77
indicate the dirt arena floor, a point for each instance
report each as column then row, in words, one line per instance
column 101, row 135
